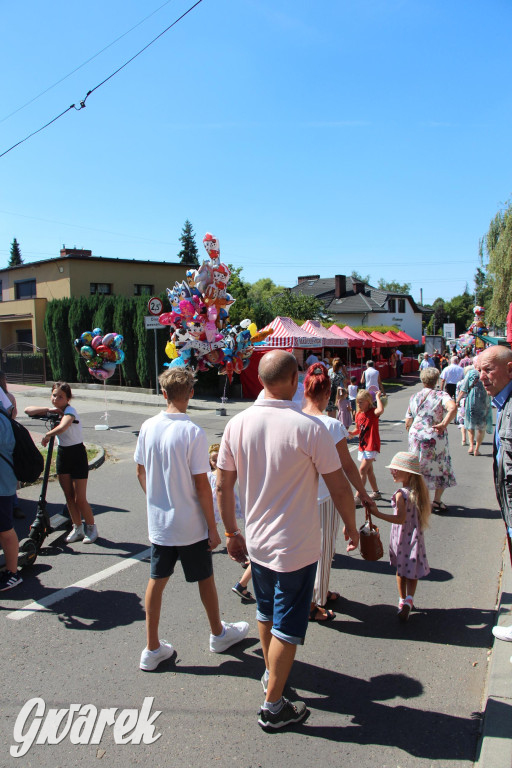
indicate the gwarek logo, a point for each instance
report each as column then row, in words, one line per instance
column 82, row 724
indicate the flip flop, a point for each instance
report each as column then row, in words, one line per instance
column 328, row 616
column 439, row 506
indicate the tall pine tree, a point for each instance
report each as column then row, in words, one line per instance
column 188, row 253
column 15, row 259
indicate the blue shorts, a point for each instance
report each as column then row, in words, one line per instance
column 285, row 600
column 196, row 561
column 6, row 518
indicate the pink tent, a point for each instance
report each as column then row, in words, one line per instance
column 346, row 333
column 384, row 340
column 407, row 339
column 369, row 338
column 288, row 334
column 325, row 335
column 394, row 337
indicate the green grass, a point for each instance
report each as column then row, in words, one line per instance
column 92, row 452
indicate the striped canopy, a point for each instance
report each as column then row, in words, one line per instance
column 286, row 333
column 325, row 335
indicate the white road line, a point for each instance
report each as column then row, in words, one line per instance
column 61, row 594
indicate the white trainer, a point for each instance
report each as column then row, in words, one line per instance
column 503, row 633
column 232, row 635
column 77, row 534
column 149, row 660
column 91, row 533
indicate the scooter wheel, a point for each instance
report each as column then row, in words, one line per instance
column 28, row 552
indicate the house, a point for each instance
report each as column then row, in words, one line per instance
column 26, row 288
column 349, row 301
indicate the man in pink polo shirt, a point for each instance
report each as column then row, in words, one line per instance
column 277, row 453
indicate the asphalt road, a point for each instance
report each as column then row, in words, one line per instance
column 381, row 694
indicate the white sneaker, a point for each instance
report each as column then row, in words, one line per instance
column 233, row 634
column 150, row 660
column 503, row 633
column 77, row 534
column 91, row 533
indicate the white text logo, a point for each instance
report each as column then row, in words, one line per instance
column 82, row 724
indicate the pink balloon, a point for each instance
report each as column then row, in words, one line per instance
column 100, row 373
column 97, row 340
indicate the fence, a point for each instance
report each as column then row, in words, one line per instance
column 25, row 364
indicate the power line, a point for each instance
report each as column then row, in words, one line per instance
column 82, row 103
column 31, row 101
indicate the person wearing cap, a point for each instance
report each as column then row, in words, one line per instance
column 412, row 509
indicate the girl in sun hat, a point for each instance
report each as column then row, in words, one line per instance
column 406, row 543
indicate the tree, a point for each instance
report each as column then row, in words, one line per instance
column 189, row 252
column 459, row 310
column 436, row 321
column 393, row 286
column 297, row 306
column 498, row 248
column 15, row 259
column 356, row 276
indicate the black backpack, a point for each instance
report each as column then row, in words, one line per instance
column 27, row 461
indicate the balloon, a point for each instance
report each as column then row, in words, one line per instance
column 118, row 341
column 119, row 355
column 101, row 374
column 96, row 332
column 107, row 366
column 87, row 352
column 97, row 340
column 170, row 350
column 108, row 339
column 86, row 337
column 253, row 329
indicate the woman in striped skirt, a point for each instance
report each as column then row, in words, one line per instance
column 317, row 390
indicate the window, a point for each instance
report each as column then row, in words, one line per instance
column 139, row 289
column 392, row 305
column 103, row 288
column 401, row 306
column 25, row 289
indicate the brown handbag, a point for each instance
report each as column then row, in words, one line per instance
column 369, row 540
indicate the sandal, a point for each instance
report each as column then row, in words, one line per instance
column 242, row 592
column 325, row 614
column 439, row 506
column 332, row 597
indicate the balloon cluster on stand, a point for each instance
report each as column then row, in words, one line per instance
column 200, row 332
column 101, row 353
column 478, row 327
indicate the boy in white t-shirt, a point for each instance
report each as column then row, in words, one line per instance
column 172, row 466
column 352, row 394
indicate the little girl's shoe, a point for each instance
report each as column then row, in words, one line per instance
column 404, row 608
column 77, row 534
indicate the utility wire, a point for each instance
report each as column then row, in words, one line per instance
column 84, row 63
column 82, row 103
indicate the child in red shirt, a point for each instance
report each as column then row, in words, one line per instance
column 367, row 427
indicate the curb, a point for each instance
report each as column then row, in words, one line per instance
column 495, row 746
column 99, row 460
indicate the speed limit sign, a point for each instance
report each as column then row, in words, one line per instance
column 155, row 306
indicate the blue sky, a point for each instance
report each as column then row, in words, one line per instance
column 309, row 137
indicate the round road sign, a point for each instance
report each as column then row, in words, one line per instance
column 155, row 306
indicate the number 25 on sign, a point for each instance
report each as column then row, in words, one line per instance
column 155, row 306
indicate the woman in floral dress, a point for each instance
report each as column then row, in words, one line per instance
column 427, row 418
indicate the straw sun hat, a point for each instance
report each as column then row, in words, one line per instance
column 405, row 462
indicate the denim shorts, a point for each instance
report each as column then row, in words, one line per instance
column 196, row 561
column 6, row 518
column 285, row 600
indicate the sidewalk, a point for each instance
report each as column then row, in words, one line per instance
column 495, row 748
column 122, row 396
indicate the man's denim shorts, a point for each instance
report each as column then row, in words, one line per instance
column 285, row 600
column 196, row 561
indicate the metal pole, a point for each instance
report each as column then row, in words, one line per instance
column 156, row 365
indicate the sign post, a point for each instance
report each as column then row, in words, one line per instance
column 155, row 307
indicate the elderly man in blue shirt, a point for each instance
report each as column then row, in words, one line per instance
column 495, row 368
column 8, row 538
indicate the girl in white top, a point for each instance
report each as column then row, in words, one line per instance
column 72, row 463
column 317, row 390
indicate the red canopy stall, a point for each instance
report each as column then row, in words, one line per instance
column 327, row 337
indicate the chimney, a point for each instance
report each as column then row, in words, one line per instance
column 303, row 278
column 340, row 286
column 79, row 252
column 358, row 286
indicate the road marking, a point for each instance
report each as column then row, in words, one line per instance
column 62, row 594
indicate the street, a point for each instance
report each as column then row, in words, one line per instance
column 382, row 694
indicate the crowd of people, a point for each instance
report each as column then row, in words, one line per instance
column 284, row 467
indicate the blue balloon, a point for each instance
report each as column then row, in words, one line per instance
column 97, row 332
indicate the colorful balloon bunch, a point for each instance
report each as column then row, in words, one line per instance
column 201, row 336
column 101, row 353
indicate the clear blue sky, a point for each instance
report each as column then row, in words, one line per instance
column 309, row 137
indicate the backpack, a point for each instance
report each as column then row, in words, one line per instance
column 27, row 461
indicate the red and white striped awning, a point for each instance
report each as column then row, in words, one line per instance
column 286, row 333
column 327, row 337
